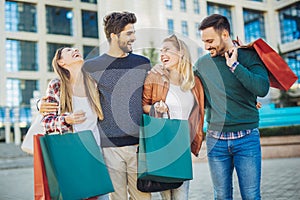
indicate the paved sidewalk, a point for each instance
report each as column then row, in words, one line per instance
column 11, row 156
column 280, row 178
column 280, row 181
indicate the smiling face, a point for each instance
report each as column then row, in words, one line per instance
column 69, row 56
column 169, row 55
column 214, row 42
column 126, row 38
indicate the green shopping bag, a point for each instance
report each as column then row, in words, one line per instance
column 164, row 150
column 55, row 193
column 78, row 165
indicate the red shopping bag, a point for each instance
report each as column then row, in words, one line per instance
column 41, row 188
column 280, row 74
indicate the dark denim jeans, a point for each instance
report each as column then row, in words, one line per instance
column 243, row 155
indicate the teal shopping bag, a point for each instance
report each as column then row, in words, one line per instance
column 78, row 165
column 55, row 193
column 164, row 150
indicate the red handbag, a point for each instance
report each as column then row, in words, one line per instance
column 41, row 187
column 280, row 74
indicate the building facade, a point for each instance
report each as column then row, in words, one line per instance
column 31, row 31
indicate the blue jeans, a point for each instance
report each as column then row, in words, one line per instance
column 243, row 154
column 181, row 193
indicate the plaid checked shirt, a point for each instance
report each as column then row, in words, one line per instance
column 55, row 122
column 228, row 135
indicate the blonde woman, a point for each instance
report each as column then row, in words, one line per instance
column 76, row 95
column 178, row 92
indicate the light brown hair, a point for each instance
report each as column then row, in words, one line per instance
column 185, row 67
column 66, row 104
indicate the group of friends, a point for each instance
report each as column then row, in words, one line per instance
column 108, row 94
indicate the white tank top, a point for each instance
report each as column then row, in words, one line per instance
column 81, row 103
column 180, row 103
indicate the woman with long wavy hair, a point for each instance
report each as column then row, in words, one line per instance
column 76, row 95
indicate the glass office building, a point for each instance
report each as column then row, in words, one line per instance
column 31, row 31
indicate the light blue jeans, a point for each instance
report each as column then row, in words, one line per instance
column 103, row 197
column 243, row 154
column 181, row 193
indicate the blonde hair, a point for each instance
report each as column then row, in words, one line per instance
column 66, row 104
column 185, row 67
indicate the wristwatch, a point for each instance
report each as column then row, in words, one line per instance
column 233, row 66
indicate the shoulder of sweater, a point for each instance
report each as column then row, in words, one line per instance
column 143, row 58
column 95, row 59
column 204, row 58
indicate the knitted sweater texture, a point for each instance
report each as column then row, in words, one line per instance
column 230, row 98
column 120, row 82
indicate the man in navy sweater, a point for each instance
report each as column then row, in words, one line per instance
column 120, row 76
column 233, row 79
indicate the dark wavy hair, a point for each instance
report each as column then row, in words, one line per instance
column 218, row 22
column 116, row 21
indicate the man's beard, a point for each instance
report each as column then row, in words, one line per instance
column 222, row 50
column 124, row 48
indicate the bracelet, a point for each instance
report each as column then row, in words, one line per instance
column 233, row 66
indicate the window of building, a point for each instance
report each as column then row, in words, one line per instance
column 19, row 92
column 21, row 56
column 169, row 4
column 51, row 49
column 183, row 5
column 90, row 52
column 170, row 26
column 254, row 25
column 90, row 1
column 59, row 20
column 196, row 7
column 224, row 10
column 293, row 60
column 197, row 31
column 20, row 16
column 184, row 28
column 289, row 19
column 89, row 24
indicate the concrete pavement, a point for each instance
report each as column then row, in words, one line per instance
column 280, row 178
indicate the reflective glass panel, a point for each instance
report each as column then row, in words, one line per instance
column 197, row 31
column 293, row 60
column 196, row 7
column 289, row 19
column 21, row 55
column 183, row 5
column 20, row 16
column 254, row 25
column 90, row 1
column 184, row 28
column 19, row 91
column 170, row 26
column 59, row 20
column 169, row 4
column 89, row 24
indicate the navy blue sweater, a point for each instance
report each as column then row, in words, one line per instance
column 120, row 82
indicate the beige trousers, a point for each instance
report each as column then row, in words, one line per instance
column 122, row 166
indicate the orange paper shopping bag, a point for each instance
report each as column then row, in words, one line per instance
column 41, row 188
column 280, row 74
